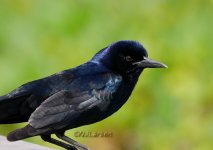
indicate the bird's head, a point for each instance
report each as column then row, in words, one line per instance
column 127, row 58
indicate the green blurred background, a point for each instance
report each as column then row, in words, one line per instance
column 170, row 109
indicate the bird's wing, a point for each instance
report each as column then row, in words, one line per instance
column 18, row 105
column 13, row 106
column 68, row 105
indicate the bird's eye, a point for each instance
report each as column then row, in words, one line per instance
column 128, row 58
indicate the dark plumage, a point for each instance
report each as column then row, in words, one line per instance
column 75, row 97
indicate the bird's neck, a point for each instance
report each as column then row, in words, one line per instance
column 132, row 77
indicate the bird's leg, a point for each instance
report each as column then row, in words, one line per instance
column 71, row 141
column 48, row 138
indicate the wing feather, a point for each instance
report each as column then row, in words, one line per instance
column 68, row 105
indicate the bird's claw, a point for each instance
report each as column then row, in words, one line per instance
column 72, row 148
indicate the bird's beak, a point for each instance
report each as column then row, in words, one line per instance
column 149, row 63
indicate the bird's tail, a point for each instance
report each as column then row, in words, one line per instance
column 19, row 134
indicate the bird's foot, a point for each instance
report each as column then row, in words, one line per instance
column 71, row 141
column 84, row 148
column 72, row 148
column 79, row 148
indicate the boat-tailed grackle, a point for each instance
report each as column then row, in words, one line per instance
column 75, row 97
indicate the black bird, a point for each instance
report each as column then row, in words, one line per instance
column 75, row 97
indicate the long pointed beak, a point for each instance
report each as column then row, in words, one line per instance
column 149, row 63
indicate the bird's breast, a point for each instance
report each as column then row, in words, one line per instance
column 116, row 100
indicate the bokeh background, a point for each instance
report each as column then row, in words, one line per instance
column 170, row 109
